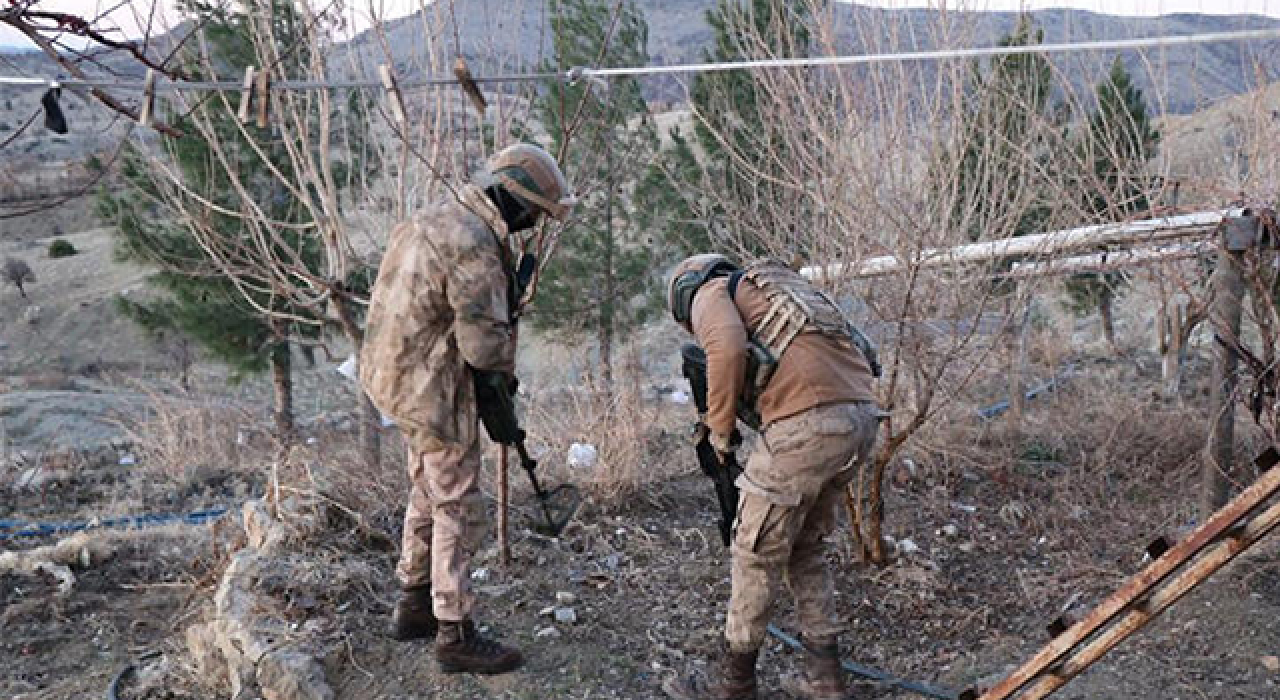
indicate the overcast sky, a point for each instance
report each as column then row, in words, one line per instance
column 126, row 17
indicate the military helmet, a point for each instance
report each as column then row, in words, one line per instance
column 530, row 172
column 688, row 278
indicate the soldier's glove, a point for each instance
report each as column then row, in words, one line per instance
column 495, row 401
column 726, row 446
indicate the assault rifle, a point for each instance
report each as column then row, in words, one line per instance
column 724, row 473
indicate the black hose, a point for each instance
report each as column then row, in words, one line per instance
column 114, row 688
column 876, row 674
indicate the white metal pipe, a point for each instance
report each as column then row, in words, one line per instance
column 1109, row 260
column 1043, row 244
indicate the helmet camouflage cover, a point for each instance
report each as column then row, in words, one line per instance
column 530, row 172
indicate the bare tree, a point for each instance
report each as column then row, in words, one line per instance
column 350, row 167
column 80, row 43
column 846, row 164
column 18, row 273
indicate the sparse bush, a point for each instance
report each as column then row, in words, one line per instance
column 626, row 429
column 18, row 273
column 61, row 248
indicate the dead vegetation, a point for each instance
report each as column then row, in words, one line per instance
column 981, row 529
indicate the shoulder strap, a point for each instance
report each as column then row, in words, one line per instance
column 734, row 279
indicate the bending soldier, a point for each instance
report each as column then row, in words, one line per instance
column 440, row 321
column 779, row 343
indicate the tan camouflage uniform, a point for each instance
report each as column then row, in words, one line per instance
column 820, row 424
column 440, row 303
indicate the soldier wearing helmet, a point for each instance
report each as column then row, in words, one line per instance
column 440, row 315
column 775, row 341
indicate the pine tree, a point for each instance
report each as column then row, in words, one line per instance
column 1119, row 142
column 742, row 150
column 994, row 190
column 200, row 297
column 666, row 202
column 599, row 283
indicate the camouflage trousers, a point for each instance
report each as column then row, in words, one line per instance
column 789, row 495
column 443, row 525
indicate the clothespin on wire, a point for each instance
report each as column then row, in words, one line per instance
column 469, row 86
column 262, row 96
column 148, row 98
column 246, row 95
column 394, row 102
column 575, row 75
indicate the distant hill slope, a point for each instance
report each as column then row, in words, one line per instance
column 499, row 34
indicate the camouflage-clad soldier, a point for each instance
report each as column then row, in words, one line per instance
column 440, row 316
column 780, row 346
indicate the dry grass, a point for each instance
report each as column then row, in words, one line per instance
column 632, row 430
column 181, row 436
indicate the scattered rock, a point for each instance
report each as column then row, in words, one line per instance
column 547, row 633
column 265, row 533
column 38, row 477
column 128, row 461
column 31, row 315
column 66, row 579
column 547, row 611
column 582, row 455
column 908, row 546
column 290, row 675
column 566, row 598
column 950, row 530
column 679, row 396
column 481, row 574
column 1271, row 663
column 566, row 616
column 239, row 644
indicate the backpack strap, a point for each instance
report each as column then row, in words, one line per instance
column 734, row 279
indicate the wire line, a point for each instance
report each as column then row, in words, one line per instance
column 577, row 73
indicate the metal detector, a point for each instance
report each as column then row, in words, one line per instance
column 558, row 505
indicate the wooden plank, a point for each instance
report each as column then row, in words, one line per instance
column 1136, row 587
column 1168, row 593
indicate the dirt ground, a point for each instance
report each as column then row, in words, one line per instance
column 998, row 529
column 1006, row 532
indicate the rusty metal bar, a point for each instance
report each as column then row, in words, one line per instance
column 1138, row 587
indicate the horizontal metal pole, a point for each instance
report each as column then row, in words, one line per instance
column 1110, row 260
column 1042, row 244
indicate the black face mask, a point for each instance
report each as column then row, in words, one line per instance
column 516, row 212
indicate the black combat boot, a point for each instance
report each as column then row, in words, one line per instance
column 731, row 678
column 412, row 617
column 460, row 649
column 823, row 676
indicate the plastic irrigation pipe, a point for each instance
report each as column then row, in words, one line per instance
column 22, row 529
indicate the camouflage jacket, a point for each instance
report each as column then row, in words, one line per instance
column 441, row 302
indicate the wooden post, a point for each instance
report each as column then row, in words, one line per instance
column 1018, row 358
column 504, row 502
column 1228, row 289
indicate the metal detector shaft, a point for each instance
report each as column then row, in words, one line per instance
column 530, row 467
